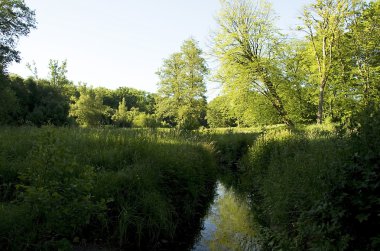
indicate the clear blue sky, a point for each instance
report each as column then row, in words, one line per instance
column 122, row 42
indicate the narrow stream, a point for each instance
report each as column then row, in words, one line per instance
column 226, row 226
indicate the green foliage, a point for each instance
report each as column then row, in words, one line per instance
column 248, row 48
column 16, row 20
column 182, row 89
column 88, row 109
column 143, row 120
column 131, row 188
column 314, row 188
column 219, row 113
column 8, row 101
column 285, row 174
column 132, row 118
column 230, row 144
column 347, row 216
column 57, row 72
column 38, row 103
column 57, row 188
column 122, row 117
column 35, row 101
column 324, row 24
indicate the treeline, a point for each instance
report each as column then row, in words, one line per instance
column 39, row 102
column 180, row 101
column 266, row 77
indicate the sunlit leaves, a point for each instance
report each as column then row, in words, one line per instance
column 182, row 88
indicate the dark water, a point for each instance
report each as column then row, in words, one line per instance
column 227, row 224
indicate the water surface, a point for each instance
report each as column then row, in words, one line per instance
column 227, row 225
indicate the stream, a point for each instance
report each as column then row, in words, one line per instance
column 226, row 225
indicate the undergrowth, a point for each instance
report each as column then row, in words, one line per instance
column 62, row 186
column 315, row 188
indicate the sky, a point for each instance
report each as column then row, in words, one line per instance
column 118, row 43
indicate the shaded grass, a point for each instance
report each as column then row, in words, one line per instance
column 130, row 187
column 285, row 174
column 299, row 184
column 230, row 144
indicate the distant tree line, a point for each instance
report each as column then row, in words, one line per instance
column 59, row 102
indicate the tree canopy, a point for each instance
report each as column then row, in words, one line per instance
column 16, row 19
column 181, row 95
column 248, row 47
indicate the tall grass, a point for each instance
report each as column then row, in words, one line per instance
column 130, row 187
column 314, row 188
column 230, row 144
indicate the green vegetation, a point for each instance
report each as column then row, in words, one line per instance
column 71, row 175
column 16, row 20
column 315, row 188
column 129, row 188
column 269, row 78
column 181, row 95
column 247, row 46
column 266, row 77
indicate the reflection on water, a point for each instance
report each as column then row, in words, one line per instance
column 227, row 225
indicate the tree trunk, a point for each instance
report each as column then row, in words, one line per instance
column 277, row 103
column 321, row 100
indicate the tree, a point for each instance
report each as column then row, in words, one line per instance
column 16, row 20
column 8, row 100
column 88, row 109
column 38, row 102
column 247, row 46
column 219, row 113
column 297, row 91
column 134, row 98
column 324, row 24
column 32, row 67
column 181, row 95
column 57, row 73
column 363, row 57
column 122, row 117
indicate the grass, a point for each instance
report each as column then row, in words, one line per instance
column 314, row 188
column 287, row 172
column 309, row 188
column 130, row 187
column 230, row 144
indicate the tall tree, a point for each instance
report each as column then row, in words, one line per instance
column 247, row 46
column 324, row 23
column 16, row 20
column 182, row 89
